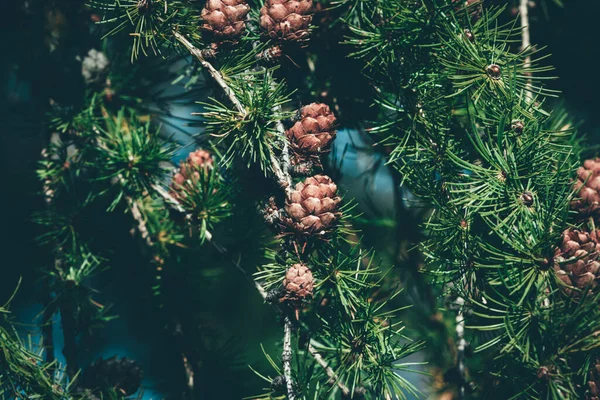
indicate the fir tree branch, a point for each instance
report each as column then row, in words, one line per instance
column 285, row 179
column 525, row 41
column 212, row 71
column 280, row 169
column 333, row 378
column 286, row 357
column 175, row 204
column 168, row 198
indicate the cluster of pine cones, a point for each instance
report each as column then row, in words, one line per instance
column 186, row 178
column 283, row 21
column 311, row 210
column 576, row 260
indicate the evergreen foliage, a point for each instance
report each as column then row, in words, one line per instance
column 469, row 124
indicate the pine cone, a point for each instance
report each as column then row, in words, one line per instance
column 123, row 375
column 593, row 392
column 224, row 19
column 576, row 260
column 313, row 206
column 315, row 131
column 286, row 20
column 298, row 283
column 587, row 188
column 188, row 170
column 199, row 158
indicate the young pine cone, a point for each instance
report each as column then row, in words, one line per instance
column 286, row 20
column 313, row 206
column 188, row 170
column 224, row 19
column 593, row 392
column 298, row 283
column 314, row 132
column 576, row 260
column 199, row 158
column 587, row 188
column 122, row 374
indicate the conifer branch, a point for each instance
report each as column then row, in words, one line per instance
column 284, row 174
column 283, row 177
column 168, row 198
column 526, row 41
column 175, row 204
column 333, row 378
column 286, row 357
column 216, row 75
column 280, row 169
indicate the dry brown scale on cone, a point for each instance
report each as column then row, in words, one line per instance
column 189, row 171
column 286, row 20
column 298, row 283
column 587, row 189
column 224, row 20
column 593, row 392
column 315, row 131
column 312, row 207
column 576, row 260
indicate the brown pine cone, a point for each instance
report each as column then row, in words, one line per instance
column 199, row 158
column 188, row 170
column 223, row 20
column 576, row 260
column 298, row 283
column 587, row 188
column 286, row 20
column 313, row 206
column 315, row 131
column 593, row 392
